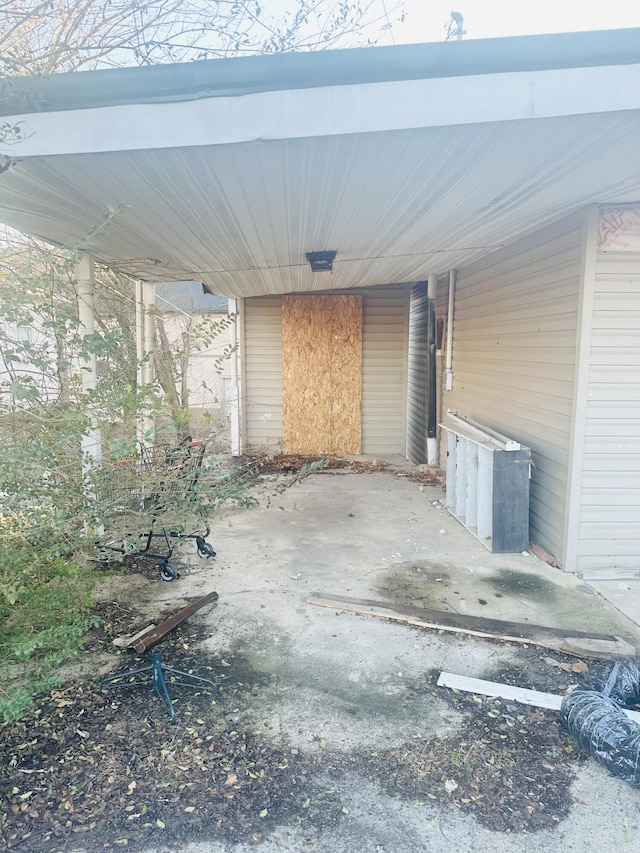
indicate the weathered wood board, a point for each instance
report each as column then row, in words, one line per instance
column 321, row 374
column 152, row 634
column 577, row 643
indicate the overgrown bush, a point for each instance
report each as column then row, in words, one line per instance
column 44, row 612
column 46, row 505
column 52, row 500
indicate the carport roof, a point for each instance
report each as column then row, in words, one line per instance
column 406, row 160
column 274, row 72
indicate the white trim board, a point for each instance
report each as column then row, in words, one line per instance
column 331, row 111
column 507, row 691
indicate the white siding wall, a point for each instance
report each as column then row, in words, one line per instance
column 206, row 385
column 514, row 349
column 442, row 399
column 262, row 364
column 384, row 335
column 385, row 321
column 609, row 524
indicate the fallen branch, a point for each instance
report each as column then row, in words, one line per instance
column 577, row 643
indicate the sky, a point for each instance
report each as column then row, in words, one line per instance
column 495, row 18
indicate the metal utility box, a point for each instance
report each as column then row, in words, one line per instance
column 488, row 478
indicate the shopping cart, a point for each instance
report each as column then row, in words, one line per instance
column 151, row 501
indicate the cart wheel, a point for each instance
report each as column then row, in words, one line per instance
column 205, row 550
column 168, row 573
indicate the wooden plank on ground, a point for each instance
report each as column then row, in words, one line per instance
column 507, row 691
column 577, row 643
column 148, row 637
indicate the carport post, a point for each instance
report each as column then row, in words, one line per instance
column 233, row 391
column 85, row 278
column 145, row 306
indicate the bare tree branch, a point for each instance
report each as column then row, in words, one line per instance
column 64, row 35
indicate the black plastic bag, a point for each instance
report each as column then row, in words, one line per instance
column 602, row 729
column 619, row 679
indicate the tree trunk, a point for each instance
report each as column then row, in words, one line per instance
column 185, row 356
column 164, row 365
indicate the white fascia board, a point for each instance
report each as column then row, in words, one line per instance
column 329, row 111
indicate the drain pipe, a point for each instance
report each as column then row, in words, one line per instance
column 432, row 441
column 233, row 392
column 447, row 384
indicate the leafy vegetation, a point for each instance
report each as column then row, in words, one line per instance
column 47, row 507
column 44, row 613
column 53, row 497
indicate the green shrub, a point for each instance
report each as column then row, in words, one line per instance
column 44, row 613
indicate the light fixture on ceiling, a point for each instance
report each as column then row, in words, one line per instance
column 321, row 261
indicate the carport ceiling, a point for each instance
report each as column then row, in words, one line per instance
column 396, row 203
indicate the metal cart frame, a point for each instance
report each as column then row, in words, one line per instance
column 157, row 493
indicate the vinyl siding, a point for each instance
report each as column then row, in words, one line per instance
column 262, row 372
column 442, row 398
column 384, row 370
column 514, row 350
column 609, row 521
column 384, row 344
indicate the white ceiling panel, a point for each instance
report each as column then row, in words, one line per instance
column 395, row 205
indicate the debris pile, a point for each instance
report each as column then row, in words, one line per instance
column 596, row 717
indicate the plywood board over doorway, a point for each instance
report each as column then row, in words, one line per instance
column 322, row 374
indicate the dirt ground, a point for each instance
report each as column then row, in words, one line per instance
column 327, row 731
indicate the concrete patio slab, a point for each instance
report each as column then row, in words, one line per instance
column 624, row 595
column 326, row 682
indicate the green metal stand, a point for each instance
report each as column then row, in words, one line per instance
column 155, row 675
